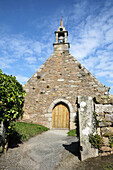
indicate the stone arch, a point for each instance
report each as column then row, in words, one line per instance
column 53, row 104
column 58, row 101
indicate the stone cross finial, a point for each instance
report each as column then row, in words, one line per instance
column 61, row 23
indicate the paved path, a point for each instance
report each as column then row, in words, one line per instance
column 49, row 151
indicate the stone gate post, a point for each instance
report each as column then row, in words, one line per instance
column 86, row 126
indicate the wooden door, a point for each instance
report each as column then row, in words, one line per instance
column 60, row 116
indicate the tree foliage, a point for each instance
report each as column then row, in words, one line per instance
column 11, row 100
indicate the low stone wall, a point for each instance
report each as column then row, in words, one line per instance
column 104, row 111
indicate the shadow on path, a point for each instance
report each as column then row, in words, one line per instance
column 73, row 148
column 14, row 140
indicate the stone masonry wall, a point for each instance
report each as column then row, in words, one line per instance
column 60, row 78
column 104, row 111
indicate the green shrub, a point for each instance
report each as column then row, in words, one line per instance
column 96, row 121
column 95, row 140
column 11, row 101
column 111, row 142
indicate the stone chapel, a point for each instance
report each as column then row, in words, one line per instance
column 51, row 93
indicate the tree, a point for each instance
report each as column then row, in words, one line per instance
column 11, row 100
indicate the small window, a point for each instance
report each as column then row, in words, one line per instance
column 61, row 29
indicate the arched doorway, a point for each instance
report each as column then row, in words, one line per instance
column 60, row 116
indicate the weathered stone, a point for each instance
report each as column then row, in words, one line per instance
column 109, row 117
column 48, row 115
column 26, row 116
column 107, row 131
column 100, row 117
column 104, row 124
column 95, row 85
column 73, row 86
column 49, row 119
column 42, row 81
column 27, row 90
column 35, row 75
column 105, row 153
column 71, row 81
column 110, row 99
column 98, row 131
column 100, row 108
column 105, row 149
column 60, row 80
column 106, row 99
column 100, row 114
column 86, row 127
column 105, row 141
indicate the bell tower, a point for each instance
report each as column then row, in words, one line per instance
column 61, row 44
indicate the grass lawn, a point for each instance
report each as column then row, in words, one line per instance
column 23, row 131
column 72, row 132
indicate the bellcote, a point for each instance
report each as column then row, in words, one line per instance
column 61, row 43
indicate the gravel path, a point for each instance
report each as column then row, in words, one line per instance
column 49, row 151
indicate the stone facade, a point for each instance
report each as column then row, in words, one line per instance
column 60, row 79
column 104, row 112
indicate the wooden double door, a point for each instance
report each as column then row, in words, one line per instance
column 60, row 116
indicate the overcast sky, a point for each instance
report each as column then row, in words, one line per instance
column 27, row 35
